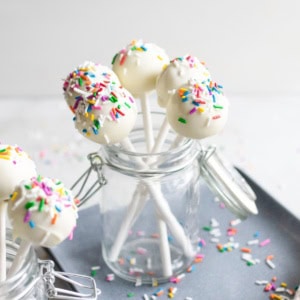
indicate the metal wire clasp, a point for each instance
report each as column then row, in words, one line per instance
column 96, row 164
column 85, row 283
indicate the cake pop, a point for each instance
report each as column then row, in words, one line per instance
column 15, row 165
column 42, row 212
column 107, row 116
column 138, row 65
column 198, row 110
column 85, row 80
column 179, row 72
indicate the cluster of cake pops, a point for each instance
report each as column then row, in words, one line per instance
column 103, row 102
column 42, row 212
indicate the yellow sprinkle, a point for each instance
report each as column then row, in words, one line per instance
column 201, row 109
column 159, row 57
column 91, row 101
column 92, row 116
column 14, row 196
column 164, row 66
column 88, row 134
column 86, row 114
column 283, row 284
column 4, row 157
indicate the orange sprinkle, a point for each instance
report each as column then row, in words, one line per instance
column 246, row 250
column 53, row 221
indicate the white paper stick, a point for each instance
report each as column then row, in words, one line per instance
column 133, row 211
column 161, row 137
column 19, row 258
column 164, row 247
column 3, row 210
column 147, row 120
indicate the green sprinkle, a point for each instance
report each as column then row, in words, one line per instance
column 2, row 150
column 126, row 104
column 182, row 120
column 130, row 294
column 249, row 263
column 97, row 124
column 113, row 99
column 39, row 178
column 93, row 273
column 27, row 187
column 42, row 204
column 206, row 228
column 114, row 58
column 218, row 106
column 30, row 204
column 80, row 81
column 133, row 48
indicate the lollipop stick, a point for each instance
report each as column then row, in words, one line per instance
column 147, row 120
column 3, row 209
column 19, row 258
column 161, row 137
column 164, row 247
column 133, row 210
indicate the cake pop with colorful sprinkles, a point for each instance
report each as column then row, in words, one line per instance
column 108, row 114
column 42, row 211
column 85, row 80
column 198, row 110
column 179, row 72
column 15, row 165
column 138, row 65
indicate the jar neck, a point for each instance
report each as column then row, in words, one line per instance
column 127, row 157
column 20, row 284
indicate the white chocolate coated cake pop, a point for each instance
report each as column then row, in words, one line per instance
column 15, row 165
column 42, row 211
column 179, row 72
column 82, row 81
column 107, row 115
column 198, row 110
column 138, row 65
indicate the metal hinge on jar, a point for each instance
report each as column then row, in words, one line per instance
column 96, row 164
column 85, row 283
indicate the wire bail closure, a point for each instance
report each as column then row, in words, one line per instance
column 96, row 163
column 49, row 275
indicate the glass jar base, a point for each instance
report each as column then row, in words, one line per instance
column 138, row 260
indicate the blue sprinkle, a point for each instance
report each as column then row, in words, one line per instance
column 31, row 224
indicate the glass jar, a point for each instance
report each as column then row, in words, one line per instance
column 149, row 208
column 36, row 279
column 27, row 283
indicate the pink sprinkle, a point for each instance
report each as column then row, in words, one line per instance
column 97, row 107
column 141, row 251
column 27, row 216
column 112, row 116
column 265, row 242
column 192, row 110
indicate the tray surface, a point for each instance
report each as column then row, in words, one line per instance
column 220, row 275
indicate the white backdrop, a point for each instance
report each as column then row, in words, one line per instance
column 249, row 46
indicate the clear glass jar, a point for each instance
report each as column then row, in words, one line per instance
column 36, row 279
column 26, row 284
column 149, row 208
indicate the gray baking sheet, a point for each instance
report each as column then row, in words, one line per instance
column 220, row 275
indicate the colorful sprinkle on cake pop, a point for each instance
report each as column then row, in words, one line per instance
column 138, row 65
column 198, row 110
column 108, row 115
column 85, row 80
column 179, row 72
column 42, row 211
column 15, row 165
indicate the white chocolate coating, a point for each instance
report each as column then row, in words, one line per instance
column 138, row 66
column 198, row 110
column 108, row 116
column 83, row 80
column 42, row 211
column 15, row 166
column 178, row 73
